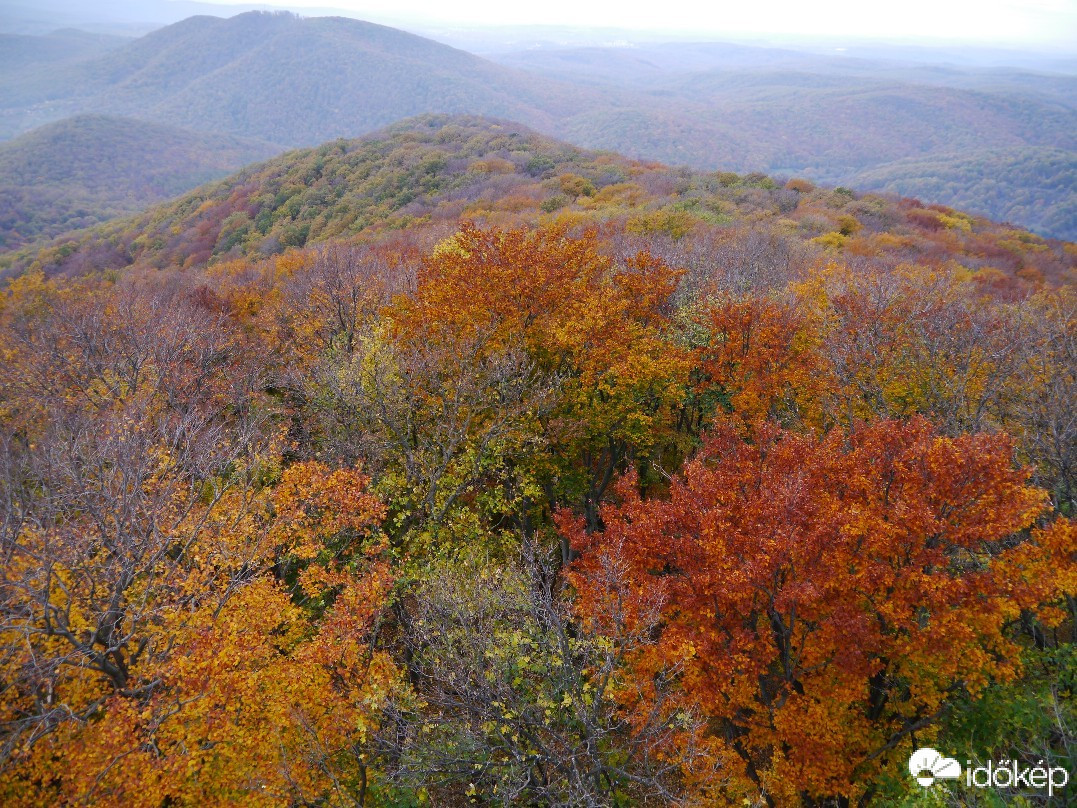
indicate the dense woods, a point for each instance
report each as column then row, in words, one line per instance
column 457, row 466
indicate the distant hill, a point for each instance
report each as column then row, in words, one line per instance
column 125, row 17
column 426, row 174
column 837, row 119
column 826, row 127
column 291, row 80
column 827, row 117
column 19, row 51
column 91, row 168
column 664, row 65
column 36, row 70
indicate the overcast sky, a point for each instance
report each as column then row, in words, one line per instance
column 1023, row 22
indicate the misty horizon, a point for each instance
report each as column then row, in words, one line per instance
column 993, row 35
column 1001, row 23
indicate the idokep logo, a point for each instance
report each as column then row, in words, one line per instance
column 926, row 765
column 1010, row 774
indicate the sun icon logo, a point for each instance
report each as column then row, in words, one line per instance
column 927, row 766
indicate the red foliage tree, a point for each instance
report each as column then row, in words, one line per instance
column 827, row 597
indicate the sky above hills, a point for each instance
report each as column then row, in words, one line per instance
column 1042, row 28
column 1050, row 23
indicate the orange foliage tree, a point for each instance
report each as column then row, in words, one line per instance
column 524, row 370
column 760, row 359
column 174, row 627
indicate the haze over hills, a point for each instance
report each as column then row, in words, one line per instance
column 123, row 17
column 291, row 80
column 91, row 168
column 654, row 65
column 20, row 52
column 831, row 118
column 865, row 123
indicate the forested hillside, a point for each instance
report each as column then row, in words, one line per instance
column 285, row 79
column 714, row 106
column 455, row 465
column 433, row 170
column 1032, row 186
column 91, row 168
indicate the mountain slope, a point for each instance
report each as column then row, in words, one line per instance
column 427, row 174
column 84, row 170
column 1031, row 186
column 302, row 81
column 291, row 80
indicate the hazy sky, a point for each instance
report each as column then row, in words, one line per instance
column 982, row 21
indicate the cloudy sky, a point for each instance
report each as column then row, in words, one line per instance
column 1023, row 22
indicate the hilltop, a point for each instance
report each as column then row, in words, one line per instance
column 433, row 171
column 287, row 79
column 88, row 169
column 714, row 106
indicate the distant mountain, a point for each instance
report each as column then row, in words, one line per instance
column 91, row 168
column 34, row 70
column 19, row 52
column 999, row 139
column 127, row 17
column 287, row 79
column 826, row 126
column 828, row 117
column 663, row 65
column 651, row 64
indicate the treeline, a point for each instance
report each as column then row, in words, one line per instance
column 562, row 514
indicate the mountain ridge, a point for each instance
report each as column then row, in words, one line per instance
column 289, row 79
column 430, row 172
column 300, row 81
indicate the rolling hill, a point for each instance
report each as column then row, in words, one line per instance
column 832, row 119
column 291, row 80
column 426, row 174
column 1031, row 186
column 836, row 119
column 91, row 168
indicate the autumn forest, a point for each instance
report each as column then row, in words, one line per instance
column 455, row 465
